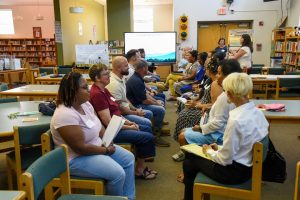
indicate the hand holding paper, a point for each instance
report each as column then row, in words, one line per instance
column 112, row 130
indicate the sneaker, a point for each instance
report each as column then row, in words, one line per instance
column 161, row 142
column 179, row 156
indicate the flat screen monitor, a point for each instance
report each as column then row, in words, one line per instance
column 160, row 47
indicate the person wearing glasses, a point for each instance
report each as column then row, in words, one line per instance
column 106, row 106
column 75, row 124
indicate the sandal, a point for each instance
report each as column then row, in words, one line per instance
column 180, row 177
column 179, row 156
column 146, row 175
column 151, row 171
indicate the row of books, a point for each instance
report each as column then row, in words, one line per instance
column 116, row 51
column 293, row 46
column 279, row 46
column 290, row 58
column 115, row 43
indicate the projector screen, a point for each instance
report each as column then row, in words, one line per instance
column 160, row 47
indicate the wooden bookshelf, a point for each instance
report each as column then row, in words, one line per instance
column 115, row 48
column 287, row 47
column 40, row 52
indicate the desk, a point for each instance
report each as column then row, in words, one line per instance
column 12, row 195
column 291, row 115
column 267, row 80
column 6, row 128
column 16, row 75
column 47, row 79
column 33, row 91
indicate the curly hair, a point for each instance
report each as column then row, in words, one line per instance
column 68, row 88
column 95, row 71
column 213, row 65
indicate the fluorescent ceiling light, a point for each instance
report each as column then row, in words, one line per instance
column 76, row 9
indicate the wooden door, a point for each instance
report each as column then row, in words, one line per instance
column 210, row 32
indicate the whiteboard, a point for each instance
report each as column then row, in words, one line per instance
column 91, row 54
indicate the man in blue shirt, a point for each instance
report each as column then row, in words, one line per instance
column 137, row 94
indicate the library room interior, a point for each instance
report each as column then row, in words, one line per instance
column 176, row 100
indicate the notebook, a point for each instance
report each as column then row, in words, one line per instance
column 112, row 130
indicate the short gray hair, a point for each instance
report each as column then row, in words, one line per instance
column 238, row 84
column 139, row 64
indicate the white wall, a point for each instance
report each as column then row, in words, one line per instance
column 26, row 20
column 256, row 10
column 294, row 15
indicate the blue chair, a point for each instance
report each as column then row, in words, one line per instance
column 55, row 163
column 276, row 70
column 46, row 70
column 97, row 185
column 24, row 154
column 3, row 86
column 64, row 69
column 204, row 186
column 8, row 100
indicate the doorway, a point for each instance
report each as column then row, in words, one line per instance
column 210, row 32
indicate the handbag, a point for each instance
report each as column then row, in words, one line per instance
column 47, row 108
column 274, row 166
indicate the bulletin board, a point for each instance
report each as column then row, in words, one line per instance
column 235, row 35
column 91, row 54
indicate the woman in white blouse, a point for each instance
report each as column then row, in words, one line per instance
column 246, row 125
column 244, row 54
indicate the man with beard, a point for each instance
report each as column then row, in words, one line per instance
column 117, row 88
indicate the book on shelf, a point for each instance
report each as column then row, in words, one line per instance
column 112, row 130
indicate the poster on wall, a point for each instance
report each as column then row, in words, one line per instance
column 91, row 54
column 37, row 32
column 58, row 34
column 235, row 35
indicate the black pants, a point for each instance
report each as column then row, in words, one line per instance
column 231, row 174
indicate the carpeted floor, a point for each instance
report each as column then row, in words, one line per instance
column 165, row 186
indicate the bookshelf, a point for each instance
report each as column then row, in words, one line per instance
column 115, row 48
column 40, row 52
column 287, row 47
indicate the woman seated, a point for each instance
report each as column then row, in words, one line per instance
column 106, row 106
column 75, row 124
column 232, row 163
column 188, row 75
column 192, row 113
column 200, row 74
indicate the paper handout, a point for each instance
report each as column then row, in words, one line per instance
column 195, row 149
column 112, row 130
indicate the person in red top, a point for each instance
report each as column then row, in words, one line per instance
column 106, row 106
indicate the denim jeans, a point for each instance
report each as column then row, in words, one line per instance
column 117, row 169
column 142, row 141
column 158, row 114
column 144, row 123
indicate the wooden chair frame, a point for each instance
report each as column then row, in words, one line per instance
column 14, row 165
column 296, row 195
column 204, row 190
column 95, row 185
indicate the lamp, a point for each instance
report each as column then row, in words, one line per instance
column 76, row 9
column 39, row 16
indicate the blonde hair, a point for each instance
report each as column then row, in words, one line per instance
column 238, row 84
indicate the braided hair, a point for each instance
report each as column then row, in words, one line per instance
column 68, row 88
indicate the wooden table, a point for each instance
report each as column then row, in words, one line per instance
column 34, row 92
column 291, row 115
column 15, row 75
column 265, row 81
column 12, row 195
column 47, row 79
column 6, row 128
